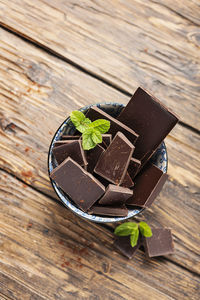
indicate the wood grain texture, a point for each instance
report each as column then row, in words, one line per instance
column 51, row 254
column 127, row 43
column 39, row 91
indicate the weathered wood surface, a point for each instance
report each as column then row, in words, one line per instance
column 127, row 43
column 45, row 251
column 48, row 253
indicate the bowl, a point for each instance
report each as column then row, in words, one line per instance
column 159, row 159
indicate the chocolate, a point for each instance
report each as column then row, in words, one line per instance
column 106, row 140
column 122, row 243
column 134, row 167
column 74, row 150
column 115, row 195
column 113, row 163
column 108, row 211
column 147, row 185
column 150, row 119
column 95, row 113
column 93, row 156
column 127, row 182
column 70, row 137
column 81, row 186
column 60, row 143
column 160, row 243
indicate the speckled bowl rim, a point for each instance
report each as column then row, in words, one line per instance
column 160, row 160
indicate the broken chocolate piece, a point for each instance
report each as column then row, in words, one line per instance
column 115, row 195
column 150, row 119
column 108, row 211
column 81, row 186
column 113, row 163
column 106, row 140
column 74, row 150
column 95, row 113
column 70, row 137
column 93, row 156
column 133, row 167
column 122, row 243
column 60, row 143
column 127, row 182
column 160, row 243
column 147, row 185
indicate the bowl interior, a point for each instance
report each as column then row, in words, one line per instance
column 159, row 159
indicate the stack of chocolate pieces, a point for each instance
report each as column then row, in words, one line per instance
column 117, row 173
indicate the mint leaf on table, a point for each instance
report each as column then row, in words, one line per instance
column 91, row 131
column 145, row 229
column 133, row 229
column 102, row 125
column 125, row 229
column 134, row 238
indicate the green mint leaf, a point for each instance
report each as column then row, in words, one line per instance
column 145, row 229
column 134, row 238
column 101, row 124
column 96, row 136
column 87, row 141
column 77, row 117
column 125, row 229
column 80, row 121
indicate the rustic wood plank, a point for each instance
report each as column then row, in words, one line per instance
column 49, row 250
column 38, row 92
column 36, row 97
column 127, row 43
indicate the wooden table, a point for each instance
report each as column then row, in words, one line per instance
column 55, row 57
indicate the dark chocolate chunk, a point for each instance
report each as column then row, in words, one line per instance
column 115, row 195
column 160, row 243
column 81, row 186
column 115, row 126
column 108, row 211
column 106, row 140
column 74, row 150
column 60, row 143
column 93, row 156
column 127, row 182
column 150, row 119
column 70, row 137
column 133, row 167
column 147, row 185
column 122, row 243
column 113, row 163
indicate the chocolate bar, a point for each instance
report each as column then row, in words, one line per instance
column 134, row 167
column 122, row 243
column 74, row 150
column 93, row 156
column 147, row 185
column 62, row 142
column 115, row 195
column 81, row 186
column 108, row 211
column 150, row 119
column 127, row 182
column 106, row 140
column 160, row 243
column 113, row 163
column 70, row 137
column 95, row 113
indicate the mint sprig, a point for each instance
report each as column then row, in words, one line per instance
column 133, row 229
column 91, row 131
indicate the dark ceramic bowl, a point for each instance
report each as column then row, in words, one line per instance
column 159, row 159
